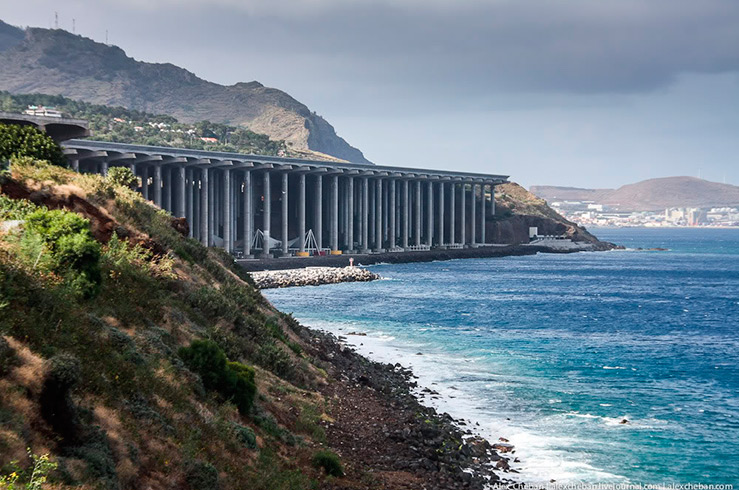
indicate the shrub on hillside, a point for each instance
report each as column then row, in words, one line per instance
column 27, row 141
column 232, row 380
column 72, row 250
column 329, row 461
column 64, row 372
column 15, row 209
column 272, row 357
column 243, row 387
column 122, row 176
column 245, row 436
column 201, row 475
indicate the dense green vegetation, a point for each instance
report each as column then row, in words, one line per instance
column 122, row 176
column 123, row 125
column 330, row 463
column 18, row 141
column 64, row 240
column 233, row 380
column 133, row 357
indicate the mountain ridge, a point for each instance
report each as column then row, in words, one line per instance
column 58, row 62
column 650, row 195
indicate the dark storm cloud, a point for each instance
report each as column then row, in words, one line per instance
column 523, row 45
column 463, row 50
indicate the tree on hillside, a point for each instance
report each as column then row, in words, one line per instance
column 122, row 176
column 27, row 141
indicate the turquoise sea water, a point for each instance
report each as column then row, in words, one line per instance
column 553, row 351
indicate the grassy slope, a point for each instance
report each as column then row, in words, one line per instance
column 145, row 420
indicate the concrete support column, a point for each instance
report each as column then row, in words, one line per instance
column 301, row 212
column 392, row 238
column 318, row 222
column 482, row 214
column 371, row 213
column 204, row 205
column 145, row 182
column 378, row 215
column 247, row 215
column 417, row 213
column 181, row 186
column 463, row 214
column 452, row 231
column 188, row 197
column 234, row 212
column 385, row 218
column 226, row 197
column 158, row 185
column 166, row 190
column 212, row 218
column 473, row 213
column 350, row 214
column 406, row 209
column 103, row 168
column 285, row 204
column 365, row 215
column 334, row 214
column 75, row 164
column 196, row 205
column 440, row 236
column 492, row 199
column 430, row 213
column 266, row 214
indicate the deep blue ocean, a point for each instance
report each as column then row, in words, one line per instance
column 553, row 351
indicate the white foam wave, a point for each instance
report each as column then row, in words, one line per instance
column 543, row 455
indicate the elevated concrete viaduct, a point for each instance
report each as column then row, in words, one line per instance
column 255, row 205
column 60, row 129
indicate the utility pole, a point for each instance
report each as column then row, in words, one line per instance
column 56, row 20
column 74, row 30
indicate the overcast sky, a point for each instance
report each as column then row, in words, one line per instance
column 589, row 93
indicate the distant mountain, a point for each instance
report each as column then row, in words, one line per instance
column 649, row 195
column 53, row 61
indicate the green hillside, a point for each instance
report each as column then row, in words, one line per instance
column 123, row 125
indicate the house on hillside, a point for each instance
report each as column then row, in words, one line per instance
column 34, row 110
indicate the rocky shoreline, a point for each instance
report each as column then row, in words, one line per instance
column 379, row 425
column 311, row 276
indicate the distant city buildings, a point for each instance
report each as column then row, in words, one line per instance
column 594, row 214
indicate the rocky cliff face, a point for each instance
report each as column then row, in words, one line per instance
column 517, row 210
column 58, row 62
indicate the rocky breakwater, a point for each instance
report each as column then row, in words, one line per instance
column 311, row 276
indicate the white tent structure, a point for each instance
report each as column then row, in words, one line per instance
column 257, row 242
column 309, row 242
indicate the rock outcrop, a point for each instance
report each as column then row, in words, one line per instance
column 517, row 210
